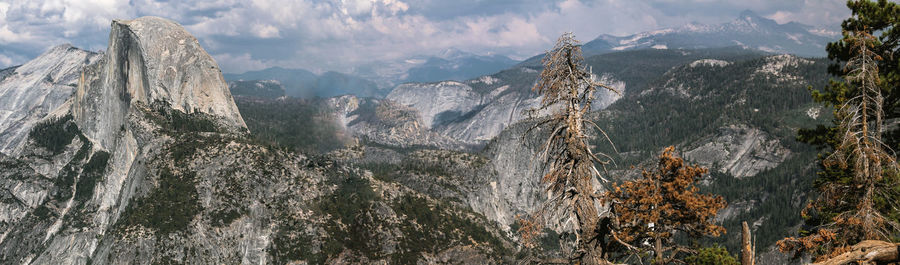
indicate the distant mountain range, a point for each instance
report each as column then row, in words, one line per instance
column 450, row 64
column 301, row 83
column 378, row 79
column 748, row 30
column 129, row 155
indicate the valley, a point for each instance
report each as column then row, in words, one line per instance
column 147, row 153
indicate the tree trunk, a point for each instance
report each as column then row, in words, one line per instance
column 659, row 253
column 747, row 255
column 868, row 252
column 588, row 218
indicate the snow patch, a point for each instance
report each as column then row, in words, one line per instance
column 794, row 37
column 741, row 44
column 634, row 39
column 824, row 32
column 695, row 27
column 659, row 47
column 622, row 48
column 766, row 49
column 414, row 61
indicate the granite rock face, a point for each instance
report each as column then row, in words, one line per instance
column 148, row 163
column 67, row 198
column 150, row 60
column 387, row 122
column 436, row 98
column 477, row 110
column 738, row 150
column 31, row 91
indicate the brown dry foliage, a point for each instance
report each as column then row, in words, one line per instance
column 664, row 201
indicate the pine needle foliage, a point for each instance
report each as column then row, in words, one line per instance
column 663, row 202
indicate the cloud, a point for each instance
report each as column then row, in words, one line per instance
column 338, row 35
column 813, row 13
column 5, row 60
column 239, row 63
column 8, row 36
column 266, row 31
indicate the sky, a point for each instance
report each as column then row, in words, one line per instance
column 339, row 35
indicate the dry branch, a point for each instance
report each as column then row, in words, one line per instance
column 568, row 89
column 867, row 252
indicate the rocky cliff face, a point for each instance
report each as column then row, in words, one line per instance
column 31, row 91
column 738, row 150
column 150, row 60
column 387, row 122
column 95, row 151
column 148, row 164
column 436, row 99
column 477, row 110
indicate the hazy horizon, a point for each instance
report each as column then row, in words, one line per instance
column 339, row 35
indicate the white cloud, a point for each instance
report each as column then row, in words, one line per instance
column 5, row 61
column 340, row 34
column 814, row 13
column 266, row 31
column 238, row 63
column 395, row 6
column 8, row 36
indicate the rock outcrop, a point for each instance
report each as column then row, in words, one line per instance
column 477, row 110
column 436, row 99
column 738, row 150
column 148, row 163
column 31, row 91
column 150, row 60
column 387, row 122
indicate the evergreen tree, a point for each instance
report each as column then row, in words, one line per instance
column 858, row 190
column 712, row 256
column 666, row 200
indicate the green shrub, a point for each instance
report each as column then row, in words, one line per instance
column 90, row 175
column 54, row 134
column 222, row 218
column 299, row 124
column 715, row 255
column 168, row 208
column 173, row 120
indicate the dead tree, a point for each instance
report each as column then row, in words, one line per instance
column 568, row 90
column 861, row 142
column 867, row 252
column 871, row 166
column 747, row 253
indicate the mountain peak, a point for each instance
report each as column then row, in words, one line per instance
column 55, row 56
column 747, row 13
column 748, row 30
column 748, row 16
column 61, row 47
column 452, row 53
column 36, row 88
column 150, row 59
